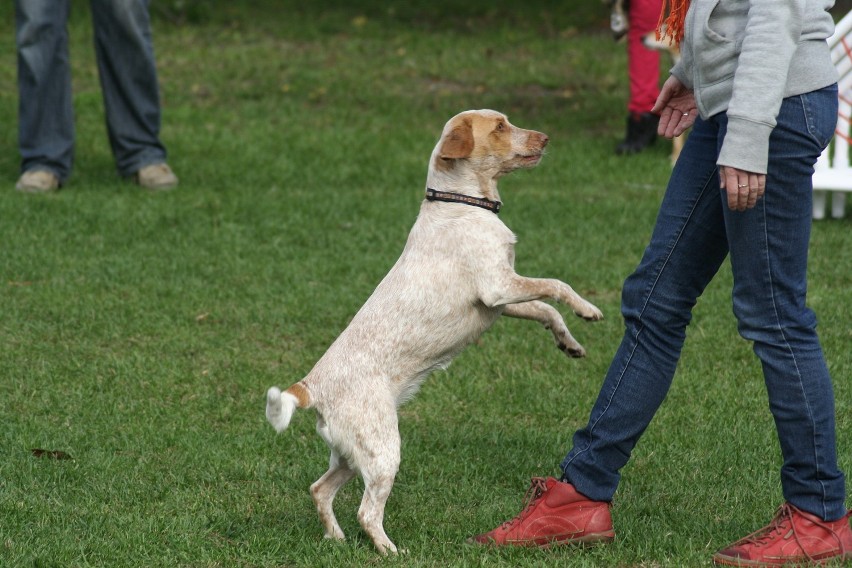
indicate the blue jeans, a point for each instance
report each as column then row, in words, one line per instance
column 768, row 247
column 128, row 77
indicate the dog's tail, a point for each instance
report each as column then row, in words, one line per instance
column 280, row 405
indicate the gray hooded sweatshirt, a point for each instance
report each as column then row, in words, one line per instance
column 744, row 57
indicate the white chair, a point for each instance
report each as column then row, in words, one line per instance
column 833, row 172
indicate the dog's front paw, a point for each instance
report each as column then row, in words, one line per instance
column 566, row 342
column 589, row 312
column 574, row 350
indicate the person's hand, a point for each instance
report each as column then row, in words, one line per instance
column 743, row 188
column 676, row 107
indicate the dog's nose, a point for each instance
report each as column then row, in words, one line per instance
column 544, row 140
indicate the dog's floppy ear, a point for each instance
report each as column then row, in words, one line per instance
column 458, row 143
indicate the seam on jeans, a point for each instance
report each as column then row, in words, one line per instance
column 640, row 327
column 808, row 116
column 790, row 350
column 812, row 123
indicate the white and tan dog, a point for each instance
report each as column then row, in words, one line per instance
column 454, row 278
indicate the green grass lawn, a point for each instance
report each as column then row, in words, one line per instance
column 140, row 331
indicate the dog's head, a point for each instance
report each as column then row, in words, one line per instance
column 486, row 141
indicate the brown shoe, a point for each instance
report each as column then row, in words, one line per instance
column 793, row 537
column 156, row 177
column 554, row 513
column 37, row 181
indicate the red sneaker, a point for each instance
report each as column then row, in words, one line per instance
column 793, row 537
column 554, row 513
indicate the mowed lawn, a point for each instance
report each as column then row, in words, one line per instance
column 139, row 332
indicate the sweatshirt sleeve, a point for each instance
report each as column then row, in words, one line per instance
column 769, row 41
column 683, row 70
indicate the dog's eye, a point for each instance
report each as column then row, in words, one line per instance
column 500, row 126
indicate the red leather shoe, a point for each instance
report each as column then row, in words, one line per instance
column 554, row 513
column 793, row 537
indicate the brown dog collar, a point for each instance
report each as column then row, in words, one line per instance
column 449, row 197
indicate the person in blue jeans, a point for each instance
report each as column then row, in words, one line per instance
column 128, row 75
column 757, row 85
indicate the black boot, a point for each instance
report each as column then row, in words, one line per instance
column 641, row 133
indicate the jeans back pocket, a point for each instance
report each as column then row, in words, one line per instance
column 820, row 108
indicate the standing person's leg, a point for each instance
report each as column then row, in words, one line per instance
column 770, row 261
column 769, row 256
column 643, row 70
column 45, row 109
column 686, row 249
column 128, row 75
column 643, row 62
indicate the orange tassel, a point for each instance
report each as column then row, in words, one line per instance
column 671, row 26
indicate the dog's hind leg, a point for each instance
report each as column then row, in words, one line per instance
column 551, row 319
column 324, row 490
column 326, row 487
column 371, row 514
column 378, row 462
